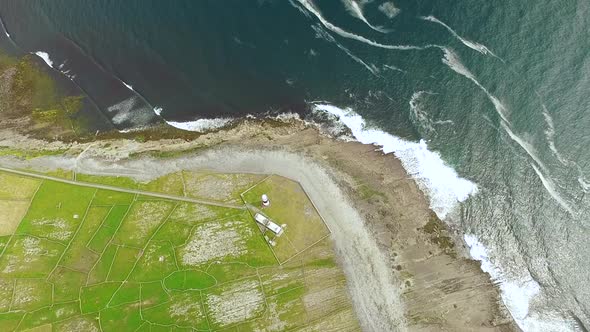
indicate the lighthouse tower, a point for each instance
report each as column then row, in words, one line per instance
column 265, row 200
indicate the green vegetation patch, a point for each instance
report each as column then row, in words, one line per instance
column 96, row 297
column 29, row 257
column 192, row 214
column 122, row 318
column 9, row 321
column 102, row 268
column 216, row 186
column 67, row 283
column 123, row 263
column 228, row 240
column 189, row 280
column 142, row 221
column 87, row 323
column 235, row 302
column 48, row 315
column 289, row 207
column 141, row 263
column 56, row 211
column 110, row 197
column 184, row 309
column 128, row 293
column 6, row 291
column 31, row 294
column 157, row 261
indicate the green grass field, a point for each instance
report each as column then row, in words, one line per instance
column 290, row 207
column 77, row 258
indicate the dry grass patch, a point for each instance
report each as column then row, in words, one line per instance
column 17, row 187
column 12, row 213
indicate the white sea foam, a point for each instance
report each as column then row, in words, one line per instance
column 418, row 114
column 45, row 57
column 130, row 112
column 473, row 45
column 389, row 9
column 323, row 34
column 440, row 182
column 356, row 10
column 550, row 136
column 129, row 86
column 310, row 7
column 394, row 68
column 201, row 125
column 517, row 295
column 4, row 28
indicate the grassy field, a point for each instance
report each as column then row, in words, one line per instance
column 291, row 208
column 75, row 258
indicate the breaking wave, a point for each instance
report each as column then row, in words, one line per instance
column 517, row 295
column 200, row 125
column 472, row 45
column 441, row 183
column 356, row 10
column 45, row 57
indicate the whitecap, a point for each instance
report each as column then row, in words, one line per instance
column 201, row 125
column 472, row 45
column 517, row 295
column 389, row 9
column 45, row 57
column 356, row 10
column 441, row 183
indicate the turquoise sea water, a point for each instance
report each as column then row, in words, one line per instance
column 500, row 89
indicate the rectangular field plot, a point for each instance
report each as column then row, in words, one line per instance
column 56, row 211
column 291, row 209
column 78, row 258
column 232, row 239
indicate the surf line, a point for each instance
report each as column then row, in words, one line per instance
column 128, row 86
column 45, row 57
column 472, row 45
column 311, row 8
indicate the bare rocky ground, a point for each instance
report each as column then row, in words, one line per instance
column 401, row 275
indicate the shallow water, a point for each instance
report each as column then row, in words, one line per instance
column 497, row 91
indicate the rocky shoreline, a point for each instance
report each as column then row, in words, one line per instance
column 423, row 279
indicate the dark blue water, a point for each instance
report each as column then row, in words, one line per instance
column 499, row 89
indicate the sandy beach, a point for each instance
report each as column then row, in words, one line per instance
column 405, row 269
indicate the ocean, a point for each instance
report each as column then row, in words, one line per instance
column 485, row 103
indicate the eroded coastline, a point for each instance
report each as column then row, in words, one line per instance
column 383, row 228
